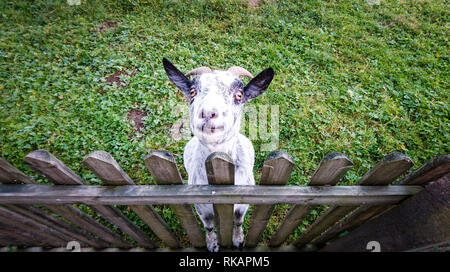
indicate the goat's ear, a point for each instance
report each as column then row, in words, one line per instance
column 177, row 77
column 258, row 84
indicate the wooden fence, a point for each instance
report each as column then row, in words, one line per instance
column 34, row 215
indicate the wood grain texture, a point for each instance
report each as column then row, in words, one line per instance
column 330, row 170
column 24, row 224
column 56, row 171
column 276, row 170
column 71, row 232
column 11, row 175
column 220, row 171
column 105, row 167
column 383, row 173
column 164, row 170
column 420, row 221
column 430, row 171
column 214, row 194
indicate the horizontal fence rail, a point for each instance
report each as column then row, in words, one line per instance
column 199, row 194
column 50, row 216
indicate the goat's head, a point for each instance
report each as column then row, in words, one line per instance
column 217, row 98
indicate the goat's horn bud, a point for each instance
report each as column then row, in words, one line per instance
column 239, row 71
column 199, row 71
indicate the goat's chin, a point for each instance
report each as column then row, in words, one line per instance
column 211, row 137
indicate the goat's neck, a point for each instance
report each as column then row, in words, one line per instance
column 225, row 147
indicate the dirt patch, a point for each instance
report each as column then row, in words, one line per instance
column 106, row 25
column 136, row 117
column 116, row 77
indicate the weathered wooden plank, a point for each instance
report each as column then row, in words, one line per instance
column 383, row 173
column 430, row 171
column 71, row 233
column 214, row 194
column 356, row 218
column 48, row 165
column 11, row 175
column 330, row 217
column 392, row 166
column 103, row 165
column 14, row 236
column 220, row 171
column 420, row 221
column 45, row 233
column 331, row 169
column 276, row 170
column 293, row 219
column 164, row 170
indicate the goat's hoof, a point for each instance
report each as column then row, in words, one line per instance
column 239, row 247
column 213, row 247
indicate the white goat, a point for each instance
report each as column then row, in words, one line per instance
column 216, row 105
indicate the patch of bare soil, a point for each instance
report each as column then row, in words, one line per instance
column 136, row 117
column 116, row 77
column 106, row 25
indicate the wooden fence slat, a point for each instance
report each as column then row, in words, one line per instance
column 11, row 175
column 330, row 217
column 14, row 236
column 430, row 171
column 331, row 169
column 164, row 170
column 276, row 170
column 105, row 167
column 48, row 165
column 353, row 220
column 383, row 173
column 421, row 221
column 201, row 194
column 49, row 235
column 43, row 217
column 220, row 171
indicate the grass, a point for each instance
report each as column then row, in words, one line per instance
column 360, row 79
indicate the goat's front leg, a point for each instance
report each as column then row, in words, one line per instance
column 243, row 176
column 206, row 213
column 238, row 233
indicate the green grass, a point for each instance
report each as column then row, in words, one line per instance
column 350, row 77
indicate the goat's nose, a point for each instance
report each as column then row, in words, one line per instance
column 210, row 114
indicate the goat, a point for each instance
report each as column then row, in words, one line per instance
column 216, row 105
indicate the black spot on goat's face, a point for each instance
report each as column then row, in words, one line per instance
column 216, row 101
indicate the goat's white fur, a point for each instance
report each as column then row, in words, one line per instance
column 216, row 105
column 228, row 141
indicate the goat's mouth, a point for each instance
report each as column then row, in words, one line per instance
column 208, row 129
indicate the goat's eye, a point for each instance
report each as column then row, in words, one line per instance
column 238, row 95
column 193, row 92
